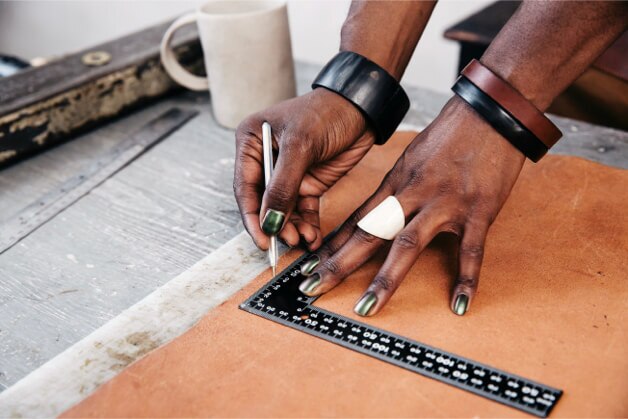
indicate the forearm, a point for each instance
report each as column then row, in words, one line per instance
column 546, row 45
column 386, row 32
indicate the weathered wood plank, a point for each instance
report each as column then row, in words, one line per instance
column 164, row 314
column 42, row 106
column 20, row 184
column 130, row 235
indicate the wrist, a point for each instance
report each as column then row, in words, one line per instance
column 460, row 116
column 334, row 107
column 385, row 59
column 385, row 32
column 369, row 87
column 525, row 80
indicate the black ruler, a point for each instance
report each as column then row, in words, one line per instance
column 281, row 301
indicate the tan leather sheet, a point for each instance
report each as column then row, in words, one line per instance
column 551, row 307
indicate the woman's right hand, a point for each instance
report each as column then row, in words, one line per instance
column 317, row 138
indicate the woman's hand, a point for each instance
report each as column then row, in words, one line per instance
column 317, row 138
column 454, row 177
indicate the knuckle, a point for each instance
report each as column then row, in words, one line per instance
column 238, row 184
column 279, row 196
column 363, row 237
column 241, row 186
column 466, row 281
column 332, row 266
column 473, row 251
column 244, row 130
column 329, row 249
column 453, row 227
column 466, row 284
column 407, row 240
column 383, row 282
column 246, row 147
column 415, row 176
column 479, row 220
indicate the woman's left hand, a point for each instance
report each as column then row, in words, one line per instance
column 454, row 177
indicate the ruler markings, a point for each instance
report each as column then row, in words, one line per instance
column 281, row 301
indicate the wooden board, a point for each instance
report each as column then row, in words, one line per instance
column 166, row 313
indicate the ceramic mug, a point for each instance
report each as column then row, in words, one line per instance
column 247, row 52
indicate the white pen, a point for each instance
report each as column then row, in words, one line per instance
column 267, row 145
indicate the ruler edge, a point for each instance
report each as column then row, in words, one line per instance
column 246, row 306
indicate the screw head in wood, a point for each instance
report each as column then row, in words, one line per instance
column 96, row 58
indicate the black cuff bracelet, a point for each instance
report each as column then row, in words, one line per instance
column 502, row 121
column 370, row 88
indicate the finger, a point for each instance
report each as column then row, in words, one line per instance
column 309, row 225
column 356, row 251
column 289, row 234
column 469, row 263
column 360, row 247
column 405, row 249
column 248, row 180
column 307, row 233
column 282, row 191
column 344, row 232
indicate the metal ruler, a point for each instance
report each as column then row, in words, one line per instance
column 52, row 203
column 281, row 301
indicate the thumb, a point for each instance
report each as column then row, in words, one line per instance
column 282, row 191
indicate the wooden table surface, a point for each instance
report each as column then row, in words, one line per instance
column 149, row 222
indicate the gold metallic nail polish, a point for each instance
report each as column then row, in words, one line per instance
column 273, row 221
column 309, row 266
column 366, row 303
column 461, row 304
column 308, row 286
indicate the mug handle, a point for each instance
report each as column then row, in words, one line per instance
column 169, row 59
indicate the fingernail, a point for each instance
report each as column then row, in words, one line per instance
column 366, row 303
column 309, row 266
column 304, row 240
column 273, row 221
column 308, row 286
column 461, row 303
column 285, row 243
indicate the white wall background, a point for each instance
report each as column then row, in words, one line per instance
column 48, row 28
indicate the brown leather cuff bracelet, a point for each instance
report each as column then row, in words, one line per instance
column 513, row 102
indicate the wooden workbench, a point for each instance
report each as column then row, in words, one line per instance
column 148, row 223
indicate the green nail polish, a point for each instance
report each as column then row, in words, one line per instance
column 273, row 221
column 309, row 266
column 460, row 306
column 366, row 303
column 308, row 286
